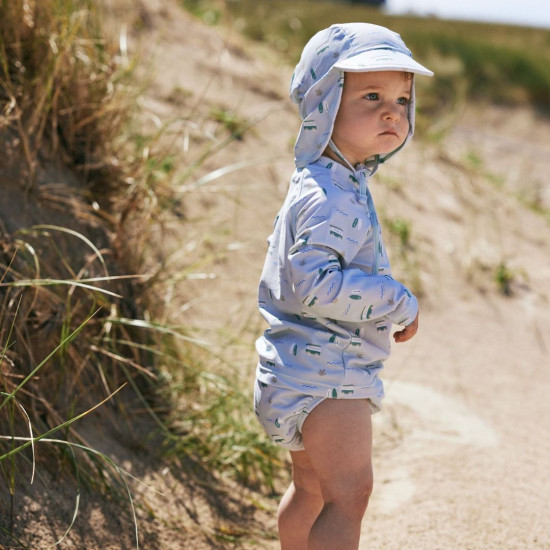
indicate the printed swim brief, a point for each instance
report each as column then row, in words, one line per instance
column 282, row 413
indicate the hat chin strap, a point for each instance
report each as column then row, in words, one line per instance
column 371, row 164
column 340, row 155
column 359, row 170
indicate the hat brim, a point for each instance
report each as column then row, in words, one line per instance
column 382, row 60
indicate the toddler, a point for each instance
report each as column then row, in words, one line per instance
column 326, row 289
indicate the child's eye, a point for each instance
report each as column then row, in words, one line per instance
column 372, row 96
column 403, row 101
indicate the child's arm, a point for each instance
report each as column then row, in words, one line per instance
column 326, row 289
column 327, row 240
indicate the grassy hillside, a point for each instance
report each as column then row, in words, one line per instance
column 75, row 322
column 83, row 333
column 477, row 61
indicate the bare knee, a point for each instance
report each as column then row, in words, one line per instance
column 351, row 493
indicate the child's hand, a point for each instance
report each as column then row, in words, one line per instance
column 407, row 333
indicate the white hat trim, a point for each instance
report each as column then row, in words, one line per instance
column 382, row 60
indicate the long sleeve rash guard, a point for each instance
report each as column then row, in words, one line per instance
column 326, row 289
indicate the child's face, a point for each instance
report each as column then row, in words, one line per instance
column 373, row 115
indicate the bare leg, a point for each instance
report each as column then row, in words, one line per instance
column 337, row 436
column 300, row 505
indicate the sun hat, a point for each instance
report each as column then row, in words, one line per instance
column 318, row 79
column 382, row 60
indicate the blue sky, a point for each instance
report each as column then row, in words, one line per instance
column 533, row 13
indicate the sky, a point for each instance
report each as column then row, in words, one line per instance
column 530, row 13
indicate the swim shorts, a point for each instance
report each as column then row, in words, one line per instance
column 282, row 413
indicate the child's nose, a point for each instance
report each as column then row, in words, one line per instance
column 392, row 112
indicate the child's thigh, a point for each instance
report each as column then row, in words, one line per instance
column 337, row 437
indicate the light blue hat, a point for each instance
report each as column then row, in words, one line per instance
column 319, row 77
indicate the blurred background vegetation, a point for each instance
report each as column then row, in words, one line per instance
column 498, row 64
column 78, row 318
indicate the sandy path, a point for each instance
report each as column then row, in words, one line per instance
column 468, row 468
column 468, row 398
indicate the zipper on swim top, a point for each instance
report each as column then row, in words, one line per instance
column 364, row 193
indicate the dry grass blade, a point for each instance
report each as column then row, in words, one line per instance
column 61, row 345
column 61, row 426
column 86, row 240
column 53, row 282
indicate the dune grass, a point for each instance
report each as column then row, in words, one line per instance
column 60, row 359
column 78, row 328
column 59, row 77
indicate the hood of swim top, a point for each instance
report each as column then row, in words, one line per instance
column 319, row 77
